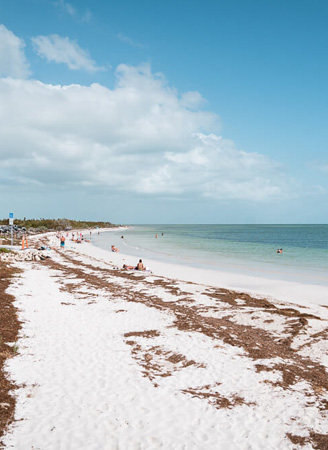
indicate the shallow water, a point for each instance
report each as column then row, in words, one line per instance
column 247, row 249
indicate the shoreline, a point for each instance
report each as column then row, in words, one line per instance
column 126, row 360
column 210, row 251
column 279, row 289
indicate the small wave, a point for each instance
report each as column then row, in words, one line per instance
column 130, row 246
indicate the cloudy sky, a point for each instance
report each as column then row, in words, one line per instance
column 175, row 111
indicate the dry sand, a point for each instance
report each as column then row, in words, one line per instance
column 111, row 359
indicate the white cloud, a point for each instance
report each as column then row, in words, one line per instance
column 192, row 99
column 13, row 62
column 67, row 7
column 63, row 50
column 122, row 37
column 318, row 189
column 137, row 137
column 215, row 168
column 320, row 165
column 73, row 12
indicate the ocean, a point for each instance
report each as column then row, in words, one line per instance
column 246, row 249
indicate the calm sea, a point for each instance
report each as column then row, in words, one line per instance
column 247, row 249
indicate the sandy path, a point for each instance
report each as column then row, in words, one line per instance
column 113, row 360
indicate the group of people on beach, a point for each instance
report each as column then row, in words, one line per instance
column 79, row 238
column 76, row 237
column 139, row 266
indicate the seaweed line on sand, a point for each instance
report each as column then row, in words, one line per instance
column 10, row 326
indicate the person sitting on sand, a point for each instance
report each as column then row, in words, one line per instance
column 140, row 266
column 114, row 249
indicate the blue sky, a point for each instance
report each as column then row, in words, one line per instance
column 165, row 112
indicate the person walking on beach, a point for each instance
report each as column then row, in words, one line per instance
column 62, row 242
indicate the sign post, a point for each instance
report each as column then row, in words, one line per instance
column 11, row 223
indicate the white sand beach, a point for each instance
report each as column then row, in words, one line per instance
column 179, row 358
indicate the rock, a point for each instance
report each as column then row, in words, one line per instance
column 27, row 255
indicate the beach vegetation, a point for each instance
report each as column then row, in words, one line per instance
column 43, row 225
column 15, row 348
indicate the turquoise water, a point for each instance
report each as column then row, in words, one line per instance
column 248, row 249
